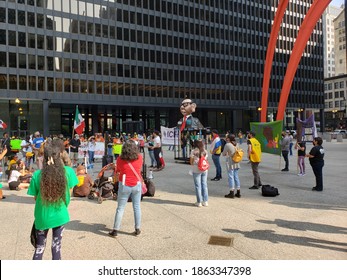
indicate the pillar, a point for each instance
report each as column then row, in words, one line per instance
column 45, row 104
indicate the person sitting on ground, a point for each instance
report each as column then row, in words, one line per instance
column 14, row 179
column 85, row 182
column 26, row 173
column 4, row 151
column 13, row 161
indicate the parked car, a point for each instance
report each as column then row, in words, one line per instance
column 336, row 132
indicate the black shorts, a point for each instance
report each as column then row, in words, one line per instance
column 13, row 185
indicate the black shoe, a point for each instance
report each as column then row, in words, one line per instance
column 137, row 232
column 315, row 189
column 215, row 179
column 230, row 195
column 285, row 169
column 238, row 194
column 113, row 233
column 254, row 188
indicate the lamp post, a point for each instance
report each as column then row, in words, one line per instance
column 259, row 113
column 300, row 110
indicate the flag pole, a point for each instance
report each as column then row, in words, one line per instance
column 73, row 128
column 73, row 124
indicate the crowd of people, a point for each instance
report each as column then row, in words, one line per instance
column 254, row 153
column 21, row 157
column 55, row 179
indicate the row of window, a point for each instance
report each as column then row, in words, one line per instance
column 162, row 6
column 336, row 94
column 67, row 85
column 37, row 41
column 61, row 24
column 203, row 74
column 336, row 104
column 337, row 85
column 137, row 56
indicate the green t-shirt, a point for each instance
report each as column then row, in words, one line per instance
column 51, row 216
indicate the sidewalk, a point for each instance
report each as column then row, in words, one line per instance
column 299, row 224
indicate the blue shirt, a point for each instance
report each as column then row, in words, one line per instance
column 37, row 142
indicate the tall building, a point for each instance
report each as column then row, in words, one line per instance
column 340, row 43
column 335, row 87
column 138, row 59
column 328, row 38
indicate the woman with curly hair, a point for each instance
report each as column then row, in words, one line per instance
column 129, row 165
column 51, row 188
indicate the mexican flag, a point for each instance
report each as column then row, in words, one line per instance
column 79, row 123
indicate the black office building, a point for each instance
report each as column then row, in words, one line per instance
column 127, row 60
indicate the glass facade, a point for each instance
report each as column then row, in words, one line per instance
column 136, row 54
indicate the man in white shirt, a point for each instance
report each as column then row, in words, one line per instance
column 157, row 150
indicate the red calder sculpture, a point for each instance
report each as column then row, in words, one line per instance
column 316, row 10
column 282, row 6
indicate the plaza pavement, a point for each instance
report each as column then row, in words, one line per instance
column 299, row 224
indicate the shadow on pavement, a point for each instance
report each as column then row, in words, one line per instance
column 270, row 235
column 306, row 226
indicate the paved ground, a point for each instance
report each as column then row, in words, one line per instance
column 297, row 225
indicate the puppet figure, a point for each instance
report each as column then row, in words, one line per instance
column 188, row 121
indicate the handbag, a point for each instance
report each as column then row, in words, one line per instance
column 33, row 237
column 143, row 187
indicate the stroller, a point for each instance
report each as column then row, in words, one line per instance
column 105, row 185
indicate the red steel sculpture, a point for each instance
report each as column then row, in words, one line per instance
column 314, row 13
column 282, row 6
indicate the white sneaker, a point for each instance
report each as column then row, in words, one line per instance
column 303, row 174
column 299, row 174
column 197, row 204
column 205, row 203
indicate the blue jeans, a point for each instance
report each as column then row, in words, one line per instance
column 124, row 192
column 184, row 151
column 200, row 183
column 91, row 156
column 216, row 161
column 151, row 155
column 233, row 179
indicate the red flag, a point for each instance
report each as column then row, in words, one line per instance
column 3, row 125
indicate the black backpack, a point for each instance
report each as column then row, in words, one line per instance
column 223, row 144
column 267, row 190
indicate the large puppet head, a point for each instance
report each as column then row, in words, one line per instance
column 187, row 107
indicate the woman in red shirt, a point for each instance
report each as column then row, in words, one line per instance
column 129, row 185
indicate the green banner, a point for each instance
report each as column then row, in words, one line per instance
column 269, row 135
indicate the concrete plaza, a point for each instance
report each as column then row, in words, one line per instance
column 299, row 224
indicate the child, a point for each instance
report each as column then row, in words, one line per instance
column 301, row 146
column 85, row 183
column 51, row 189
